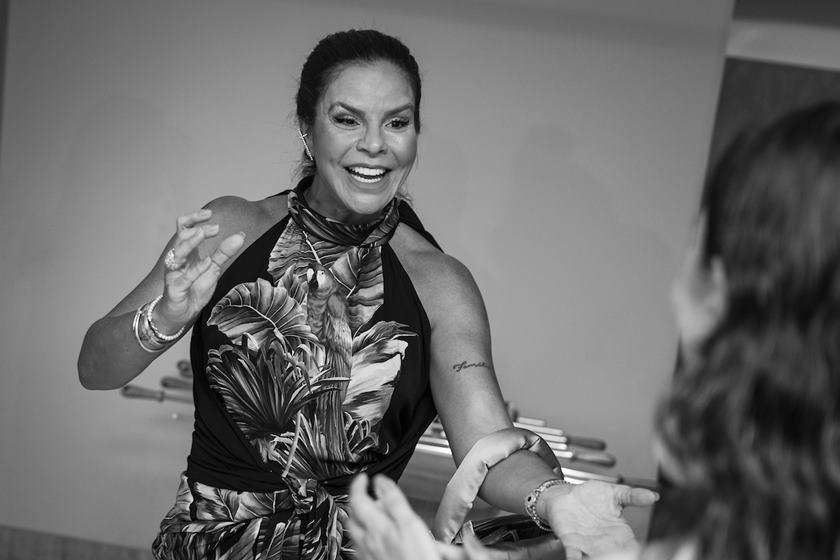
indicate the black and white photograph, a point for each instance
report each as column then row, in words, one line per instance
column 419, row 280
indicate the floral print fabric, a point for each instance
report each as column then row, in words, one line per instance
column 307, row 377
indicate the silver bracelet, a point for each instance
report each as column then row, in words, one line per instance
column 531, row 502
column 164, row 338
column 136, row 326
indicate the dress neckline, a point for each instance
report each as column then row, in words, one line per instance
column 372, row 234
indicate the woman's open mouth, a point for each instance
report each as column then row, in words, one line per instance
column 367, row 174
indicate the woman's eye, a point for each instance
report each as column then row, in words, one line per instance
column 399, row 123
column 344, row 120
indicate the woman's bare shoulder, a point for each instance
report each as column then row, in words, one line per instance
column 442, row 281
column 252, row 217
column 424, row 262
column 235, row 214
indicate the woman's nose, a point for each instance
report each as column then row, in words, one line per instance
column 372, row 141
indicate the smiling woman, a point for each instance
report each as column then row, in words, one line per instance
column 364, row 140
column 325, row 345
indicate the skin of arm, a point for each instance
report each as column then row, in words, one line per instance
column 464, row 384
column 110, row 356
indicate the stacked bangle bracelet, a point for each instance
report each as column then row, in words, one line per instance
column 531, row 501
column 146, row 332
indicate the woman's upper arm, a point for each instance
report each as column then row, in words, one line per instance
column 464, row 384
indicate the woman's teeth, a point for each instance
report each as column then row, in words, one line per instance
column 367, row 174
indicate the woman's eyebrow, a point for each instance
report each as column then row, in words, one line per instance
column 360, row 112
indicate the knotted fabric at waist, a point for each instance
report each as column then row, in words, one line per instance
column 302, row 520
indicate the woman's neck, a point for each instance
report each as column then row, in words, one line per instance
column 323, row 201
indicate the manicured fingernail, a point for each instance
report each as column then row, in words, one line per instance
column 213, row 227
column 205, row 213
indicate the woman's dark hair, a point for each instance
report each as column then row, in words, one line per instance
column 338, row 50
column 754, row 424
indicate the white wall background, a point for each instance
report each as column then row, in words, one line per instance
column 564, row 145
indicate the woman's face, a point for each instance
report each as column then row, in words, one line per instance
column 363, row 141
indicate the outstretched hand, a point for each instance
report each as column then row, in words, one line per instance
column 588, row 518
column 190, row 279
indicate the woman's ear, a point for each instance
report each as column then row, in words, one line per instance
column 699, row 296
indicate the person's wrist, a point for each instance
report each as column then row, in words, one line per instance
column 549, row 495
column 535, row 502
column 163, row 327
column 164, row 324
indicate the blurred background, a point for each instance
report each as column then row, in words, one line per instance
column 564, row 147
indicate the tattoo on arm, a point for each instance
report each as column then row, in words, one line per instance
column 460, row 366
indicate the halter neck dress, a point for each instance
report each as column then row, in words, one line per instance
column 310, row 365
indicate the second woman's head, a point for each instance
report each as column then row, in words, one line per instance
column 751, row 429
column 358, row 108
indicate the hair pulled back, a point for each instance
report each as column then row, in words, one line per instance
column 754, row 425
column 339, row 50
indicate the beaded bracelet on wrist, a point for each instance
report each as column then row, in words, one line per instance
column 531, row 502
column 146, row 332
column 157, row 333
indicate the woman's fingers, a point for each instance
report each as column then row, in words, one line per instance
column 188, row 240
column 629, row 496
column 213, row 263
column 394, row 502
column 366, row 510
column 190, row 232
column 367, row 523
column 187, row 221
column 201, row 278
column 228, row 248
column 360, row 502
column 386, row 527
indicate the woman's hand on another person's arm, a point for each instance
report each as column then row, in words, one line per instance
column 110, row 355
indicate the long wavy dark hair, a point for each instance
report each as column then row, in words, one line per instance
column 754, row 425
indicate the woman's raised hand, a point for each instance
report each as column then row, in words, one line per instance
column 190, row 279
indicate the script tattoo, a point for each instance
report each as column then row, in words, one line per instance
column 464, row 365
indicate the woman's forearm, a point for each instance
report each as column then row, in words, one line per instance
column 510, row 481
column 111, row 356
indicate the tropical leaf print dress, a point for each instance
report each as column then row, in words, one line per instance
column 310, row 365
